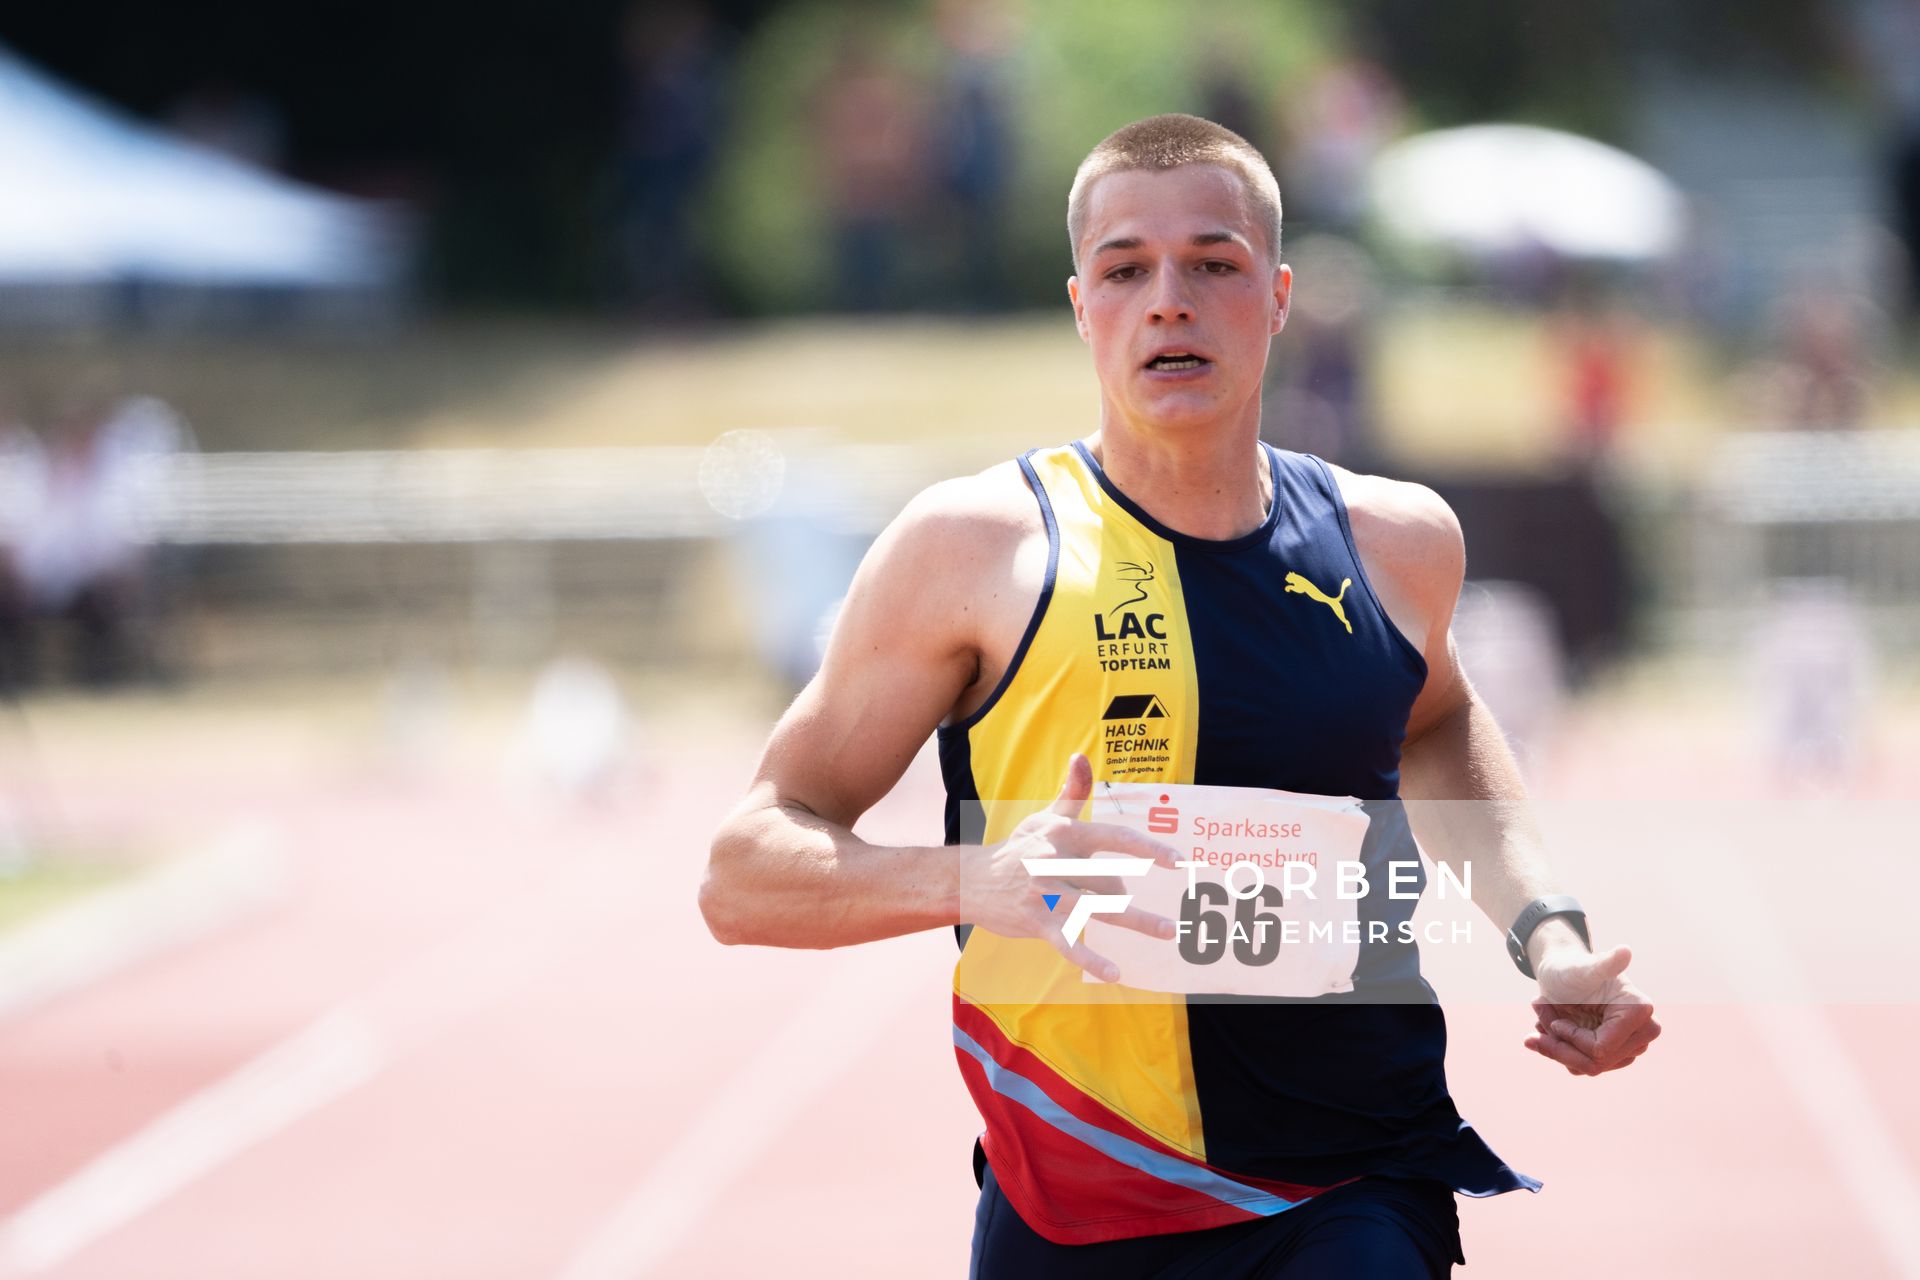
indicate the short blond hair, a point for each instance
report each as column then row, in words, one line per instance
column 1167, row 142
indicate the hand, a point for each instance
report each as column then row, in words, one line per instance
column 999, row 894
column 1589, row 1019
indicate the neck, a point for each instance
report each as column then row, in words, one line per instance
column 1207, row 483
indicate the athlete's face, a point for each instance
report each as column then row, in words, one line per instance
column 1173, row 264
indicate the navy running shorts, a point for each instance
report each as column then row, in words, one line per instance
column 1376, row 1228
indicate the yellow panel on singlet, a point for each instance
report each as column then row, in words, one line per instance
column 1109, row 673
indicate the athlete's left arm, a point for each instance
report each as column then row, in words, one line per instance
column 1463, row 789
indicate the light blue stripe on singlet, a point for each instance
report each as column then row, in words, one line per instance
column 1017, row 1088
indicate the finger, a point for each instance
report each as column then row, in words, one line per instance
column 1613, row 1025
column 1090, row 838
column 1096, row 884
column 1638, row 1044
column 1545, row 1033
column 1558, row 1052
column 1154, row 926
column 1617, row 1063
column 1621, row 1023
column 1563, row 1053
column 1546, row 1013
column 1546, row 1010
column 1084, row 957
column 1076, row 789
column 1135, row 918
column 1613, row 963
column 1581, row 1039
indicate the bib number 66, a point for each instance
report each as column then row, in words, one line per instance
column 1212, row 920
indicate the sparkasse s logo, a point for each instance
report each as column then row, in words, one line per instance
column 1164, row 818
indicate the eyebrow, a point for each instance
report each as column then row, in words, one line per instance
column 1200, row 240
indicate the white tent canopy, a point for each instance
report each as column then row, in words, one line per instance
column 1498, row 188
column 91, row 196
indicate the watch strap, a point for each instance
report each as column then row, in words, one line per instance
column 1537, row 912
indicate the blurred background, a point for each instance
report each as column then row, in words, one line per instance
column 434, row 442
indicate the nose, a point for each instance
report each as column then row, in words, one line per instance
column 1171, row 298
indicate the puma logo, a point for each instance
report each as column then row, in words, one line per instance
column 1298, row 585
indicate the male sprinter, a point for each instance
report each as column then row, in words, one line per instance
column 1279, row 624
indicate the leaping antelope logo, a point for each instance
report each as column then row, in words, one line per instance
column 1298, row 585
column 1136, row 576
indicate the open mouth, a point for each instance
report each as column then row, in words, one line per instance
column 1175, row 361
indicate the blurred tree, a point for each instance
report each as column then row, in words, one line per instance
column 501, row 117
column 1077, row 70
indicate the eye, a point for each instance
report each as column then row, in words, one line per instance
column 1215, row 267
column 1123, row 273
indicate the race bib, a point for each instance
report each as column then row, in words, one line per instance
column 1268, row 905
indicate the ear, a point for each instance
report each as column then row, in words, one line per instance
column 1282, row 295
column 1079, row 308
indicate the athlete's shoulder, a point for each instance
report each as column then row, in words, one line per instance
column 1403, row 520
column 995, row 501
column 980, row 520
column 960, row 533
column 1408, row 538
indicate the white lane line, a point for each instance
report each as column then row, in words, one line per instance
column 826, row 1034
column 338, row 1052
column 1778, row 999
column 1831, row 1090
column 296, row 1077
column 174, row 902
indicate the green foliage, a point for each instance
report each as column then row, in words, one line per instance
column 1080, row 69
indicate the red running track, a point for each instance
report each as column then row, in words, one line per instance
column 501, row 1045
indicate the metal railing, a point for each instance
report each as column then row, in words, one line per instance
column 490, row 495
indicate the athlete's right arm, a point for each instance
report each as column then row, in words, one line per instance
column 786, row 868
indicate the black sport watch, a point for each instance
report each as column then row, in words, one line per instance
column 1554, row 904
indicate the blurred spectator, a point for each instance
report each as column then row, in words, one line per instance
column 22, row 462
column 1814, row 673
column 1344, row 114
column 1225, row 98
column 82, row 533
column 1887, row 46
column 226, row 118
column 974, row 128
column 871, row 133
column 1509, row 641
column 1593, row 344
column 577, row 734
column 1318, row 400
column 671, row 124
column 1817, row 375
column 794, row 562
